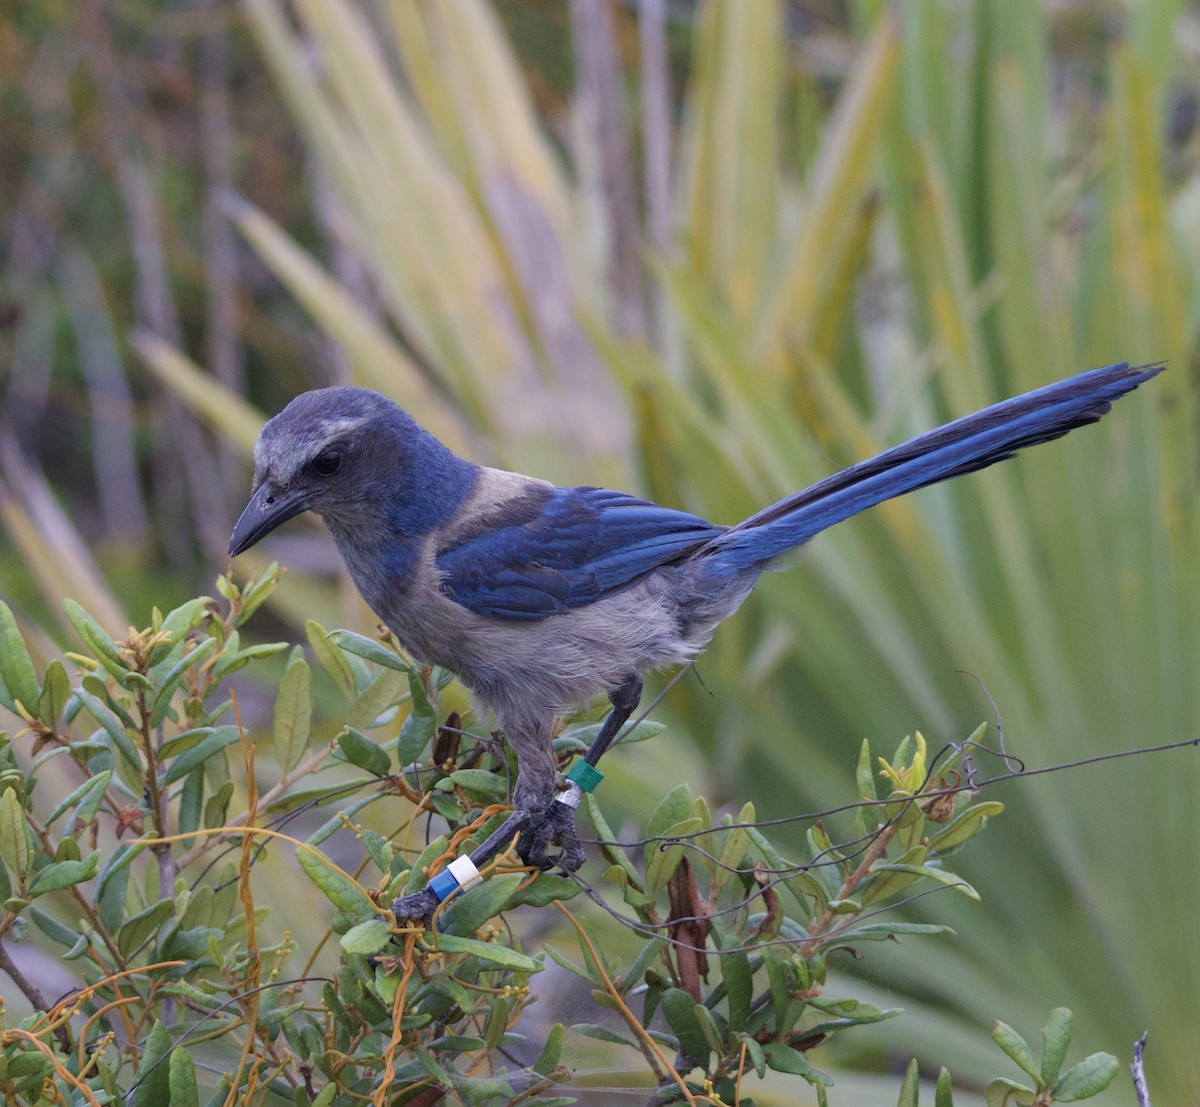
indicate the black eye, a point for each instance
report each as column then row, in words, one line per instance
column 326, row 464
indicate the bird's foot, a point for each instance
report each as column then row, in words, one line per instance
column 557, row 824
column 416, row 907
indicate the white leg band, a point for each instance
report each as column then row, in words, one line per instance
column 464, row 871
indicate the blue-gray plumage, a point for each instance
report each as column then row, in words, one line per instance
column 542, row 598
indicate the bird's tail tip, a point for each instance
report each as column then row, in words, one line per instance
column 1143, row 372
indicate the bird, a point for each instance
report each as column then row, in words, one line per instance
column 542, row 598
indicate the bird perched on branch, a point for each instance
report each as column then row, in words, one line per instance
column 541, row 598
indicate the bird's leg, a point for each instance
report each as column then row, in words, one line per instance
column 584, row 776
column 462, row 872
column 532, row 799
column 624, row 700
column 539, row 816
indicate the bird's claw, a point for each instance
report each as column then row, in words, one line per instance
column 416, row 907
column 556, row 825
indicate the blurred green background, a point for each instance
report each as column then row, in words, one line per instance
column 709, row 252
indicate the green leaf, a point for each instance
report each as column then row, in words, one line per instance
column 497, row 1022
column 783, row 1058
column 181, row 1078
column 487, row 951
column 910, row 1088
column 325, row 1099
column 293, row 714
column 330, row 657
column 56, row 691
column 679, row 1010
column 630, row 891
column 672, row 809
column 16, row 668
column 67, row 849
column 98, row 640
column 458, row 1043
column 781, row 1002
column 734, row 848
column 337, row 886
column 481, row 785
column 180, row 766
column 551, row 1052
column 613, row 856
column 181, row 619
column 14, row 837
column 182, row 742
column 53, row 929
column 776, row 863
column 367, row 937
column 880, row 931
column 153, row 1079
column 89, row 795
column 633, row 976
column 258, row 590
column 569, row 966
column 970, row 822
column 62, row 874
column 930, row 872
column 601, row 1033
column 112, row 726
column 1056, row 1037
column 216, row 807
column 145, row 923
column 664, row 857
column 169, row 681
column 864, row 774
column 582, row 736
column 1006, row 1093
column 1015, row 1046
column 416, row 875
column 381, row 694
column 848, row 1007
column 338, row 821
column 545, row 889
column 755, row 1052
column 468, row 911
column 360, row 750
column 370, row 649
column 739, row 987
column 708, row 1027
column 281, row 1015
column 943, row 1095
column 419, row 727
column 119, row 861
column 234, row 659
column 1090, row 1077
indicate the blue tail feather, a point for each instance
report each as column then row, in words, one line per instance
column 963, row 446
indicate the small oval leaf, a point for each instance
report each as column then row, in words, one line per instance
column 337, row 886
column 367, row 937
column 359, row 750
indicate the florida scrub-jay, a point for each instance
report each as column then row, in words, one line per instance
column 541, row 598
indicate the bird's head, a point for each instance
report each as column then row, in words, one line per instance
column 327, row 452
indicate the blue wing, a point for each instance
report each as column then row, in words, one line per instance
column 563, row 548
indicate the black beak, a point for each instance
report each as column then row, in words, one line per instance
column 267, row 508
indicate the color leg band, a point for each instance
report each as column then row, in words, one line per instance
column 459, row 875
column 585, row 775
column 582, row 777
